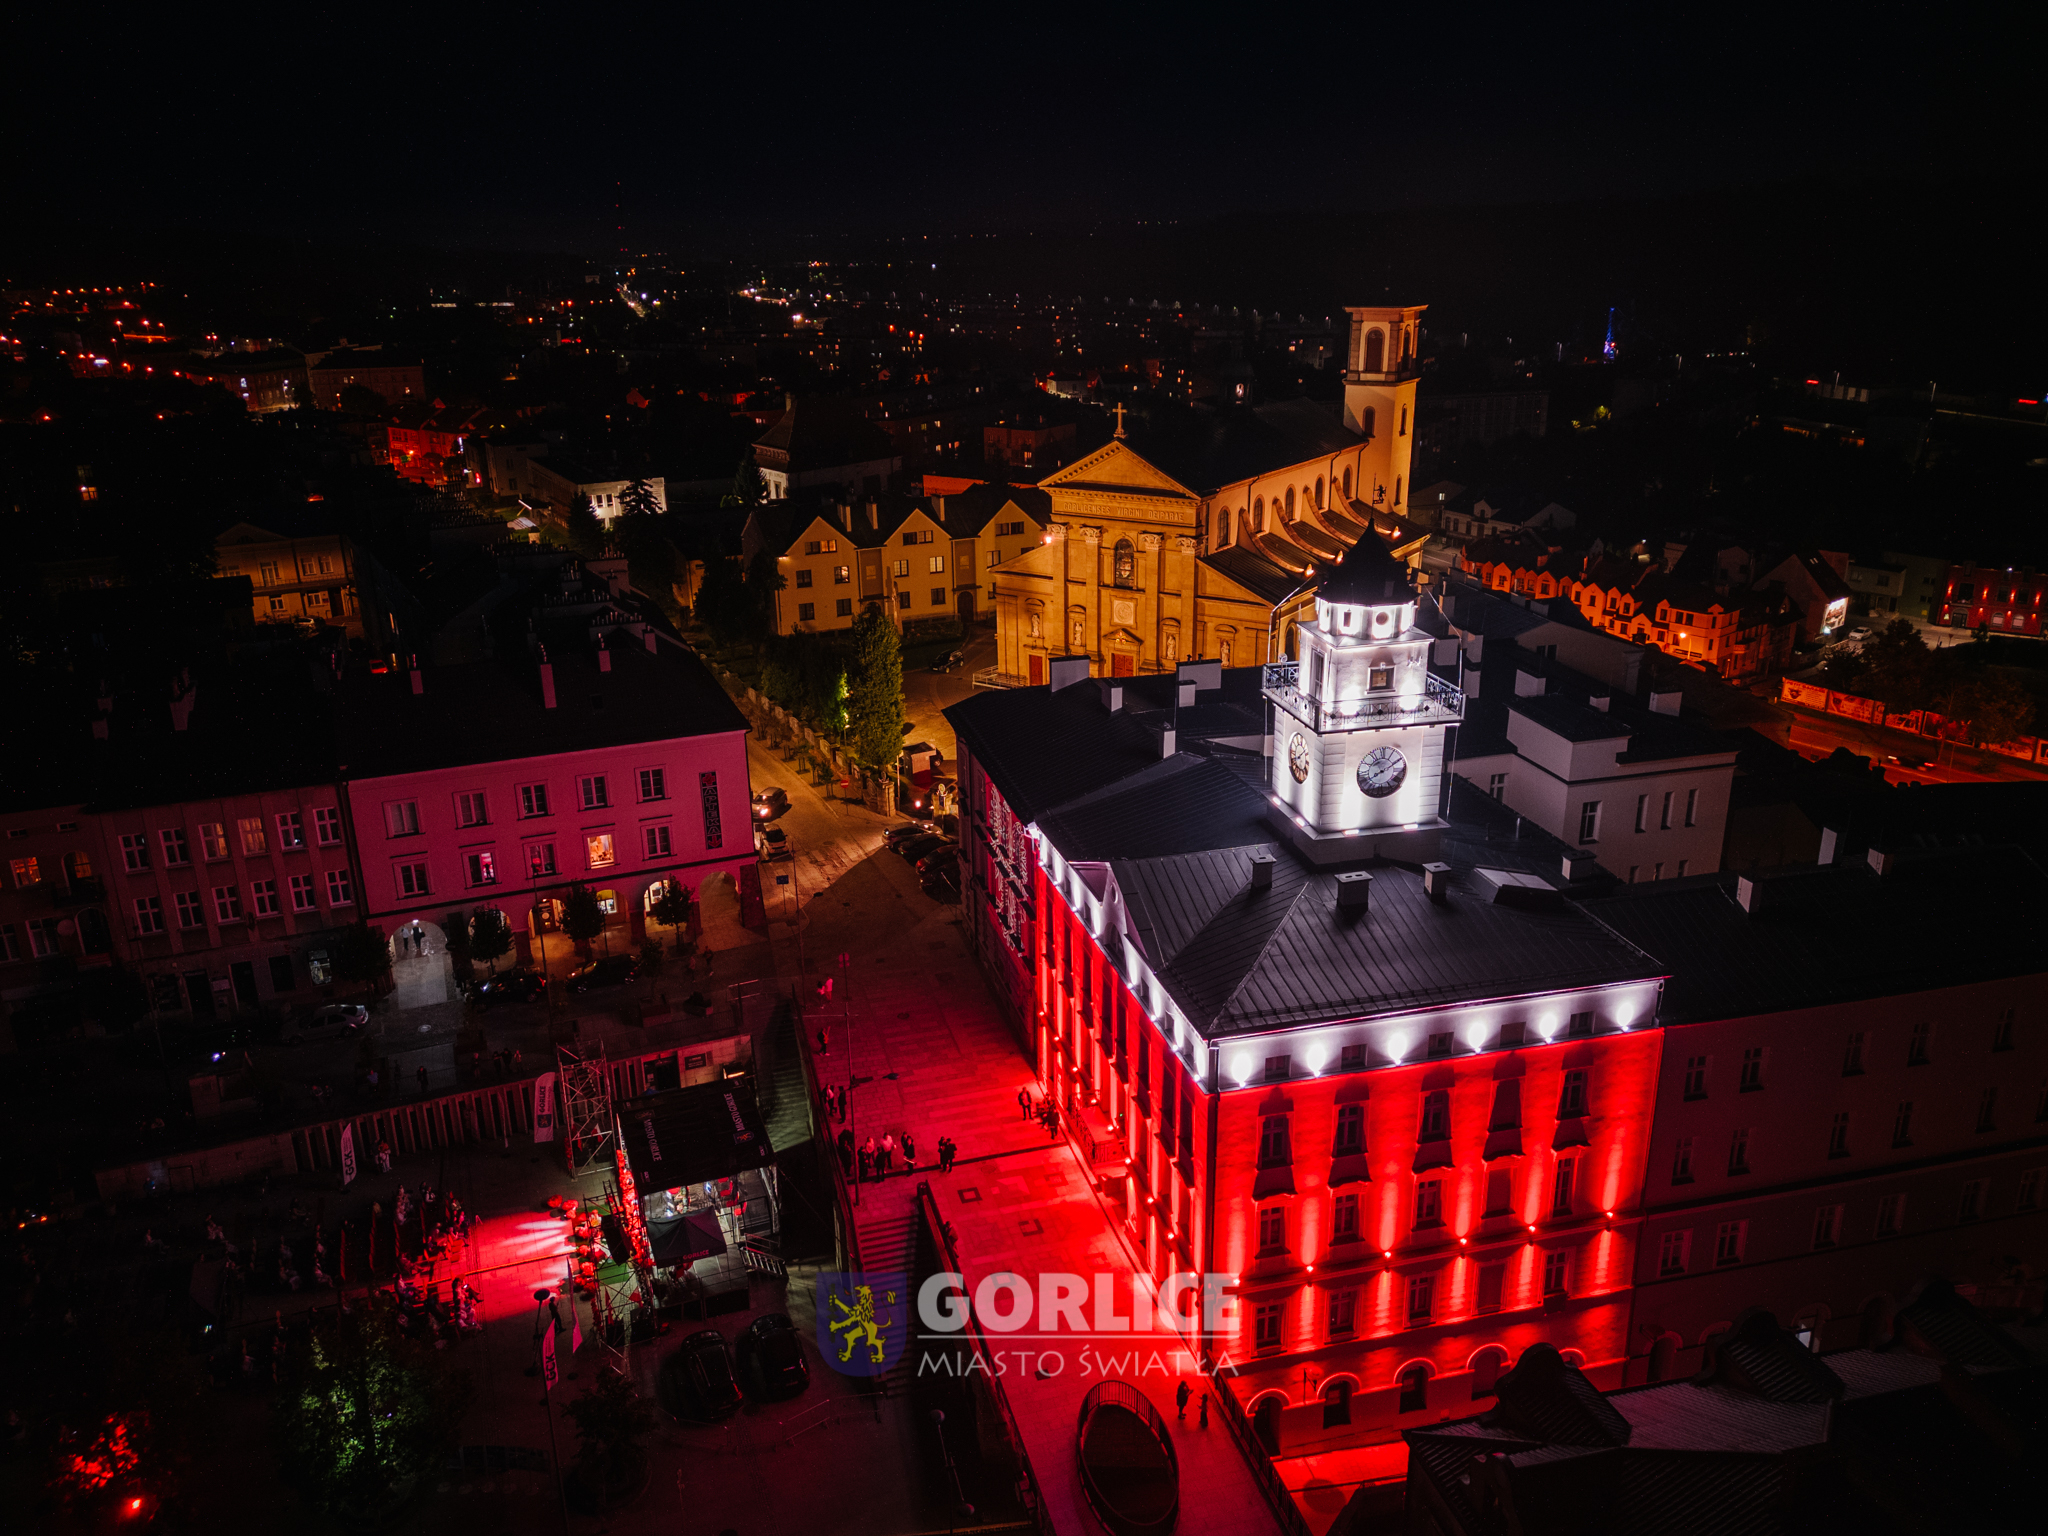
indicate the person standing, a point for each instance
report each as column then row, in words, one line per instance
column 846, row 1153
column 422, row 1076
column 824, row 1041
column 909, row 1153
column 1202, row 1421
column 1024, row 1101
column 1180, row 1401
column 867, row 1159
column 888, row 1153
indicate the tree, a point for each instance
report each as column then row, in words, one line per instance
column 1895, row 668
column 638, row 499
column 874, row 698
column 455, row 933
column 361, row 400
column 746, row 486
column 361, row 956
column 371, row 1409
column 490, row 937
column 582, row 917
column 586, row 535
column 610, row 1417
column 1993, row 705
column 671, row 904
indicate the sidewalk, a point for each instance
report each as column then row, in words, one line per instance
column 931, row 1055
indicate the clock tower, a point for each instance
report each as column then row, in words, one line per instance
column 1359, row 723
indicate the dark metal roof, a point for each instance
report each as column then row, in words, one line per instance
column 689, row 1135
column 1252, row 570
column 1368, row 573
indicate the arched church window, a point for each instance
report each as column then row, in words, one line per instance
column 1397, row 490
column 1365, row 425
column 1290, row 503
column 1347, row 473
column 1125, row 563
column 1319, row 492
column 1259, row 513
column 1375, row 351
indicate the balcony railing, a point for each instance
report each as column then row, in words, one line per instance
column 1439, row 703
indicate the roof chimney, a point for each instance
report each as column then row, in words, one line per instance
column 1665, row 702
column 1830, row 844
column 547, row 680
column 1748, row 892
column 874, row 515
column 1354, row 890
column 604, row 655
column 1169, row 741
column 1578, row 864
column 1065, row 671
column 1262, row 870
column 1529, row 685
column 653, row 639
column 846, row 515
column 1600, row 702
column 1882, row 861
column 1112, row 693
column 1436, row 882
column 419, row 681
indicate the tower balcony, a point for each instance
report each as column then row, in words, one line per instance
column 1439, row 703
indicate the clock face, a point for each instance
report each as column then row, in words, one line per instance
column 1297, row 758
column 1382, row 771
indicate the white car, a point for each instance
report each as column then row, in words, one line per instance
column 347, row 1015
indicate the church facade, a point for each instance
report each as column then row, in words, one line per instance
column 1145, row 564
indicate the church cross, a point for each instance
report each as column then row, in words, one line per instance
column 1119, row 418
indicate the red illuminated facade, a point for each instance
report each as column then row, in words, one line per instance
column 2001, row 600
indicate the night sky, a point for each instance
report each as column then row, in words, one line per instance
column 518, row 126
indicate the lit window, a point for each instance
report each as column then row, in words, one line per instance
column 482, row 867
column 26, row 873
column 213, row 840
column 597, row 850
column 540, row 859
column 254, row 839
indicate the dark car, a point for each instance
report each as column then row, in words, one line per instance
column 512, row 987
column 774, row 843
column 943, row 888
column 948, row 662
column 608, row 971
column 940, row 861
column 777, row 1353
column 895, row 836
column 770, row 803
column 915, row 848
column 710, row 1388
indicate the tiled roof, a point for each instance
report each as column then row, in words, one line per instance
column 1250, row 569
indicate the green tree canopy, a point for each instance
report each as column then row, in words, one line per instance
column 586, row 534
column 671, row 905
column 582, row 917
column 874, row 697
column 490, row 936
column 746, row 485
column 638, row 499
column 361, row 957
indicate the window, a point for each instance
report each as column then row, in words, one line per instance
column 26, row 873
column 341, row 891
column 1440, row 1044
column 1589, row 822
column 42, row 937
column 1838, row 1134
column 803, row 580
column 1674, row 1249
column 1692, row 807
column 1696, row 1077
column 1971, row 1205
column 2001, row 1032
column 1681, row 867
column 1681, row 1161
column 1556, row 1273
column 1379, row 679
column 1579, row 1026
column 1902, row 1125
column 263, row 897
column 591, row 789
column 1421, row 1297
column 900, row 568
column 653, row 784
column 412, row 879
column 1337, row 1404
column 191, row 914
column 1512, row 1035
column 213, row 840
column 1728, row 1239
column 2030, row 1189
column 1429, row 1203
column 1738, row 1151
column 302, row 893
column 1827, row 1226
column 1561, row 1186
column 1492, row 1282
column 254, row 838
column 1642, row 813
column 1891, row 1215
column 175, row 850
column 1343, row 1312
column 1987, row 1109
column 402, row 818
column 806, row 612
column 291, row 829
column 227, row 903
column 1273, row 1230
column 134, row 852
column 1273, row 1149
column 1752, row 1069
column 1266, row 1325
column 1279, row 1068
column 842, row 575
column 1497, row 786
column 469, row 809
column 481, row 868
column 937, row 566
column 1664, row 813
column 1350, row 1130
column 843, row 608
column 1351, row 1059
column 1572, row 1100
column 533, row 800
column 938, row 596
column 902, row 599
column 1344, row 1219
column 327, row 826
column 1918, row 1053
column 597, row 850
column 540, row 859
column 1852, row 1056
column 1500, row 1188
column 149, row 914
column 918, row 536
column 654, row 841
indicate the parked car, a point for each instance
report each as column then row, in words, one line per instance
column 777, row 1352
column 347, row 1015
column 774, row 843
column 770, row 803
column 512, row 987
column 915, row 848
column 896, row 835
column 949, row 661
column 606, row 971
column 704, row 1363
column 943, row 888
column 939, row 861
column 333, row 1022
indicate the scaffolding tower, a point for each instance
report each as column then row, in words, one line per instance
column 590, row 1129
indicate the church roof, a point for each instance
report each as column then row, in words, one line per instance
column 1253, row 571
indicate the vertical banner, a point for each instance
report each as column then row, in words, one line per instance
column 348, row 1153
column 544, row 1107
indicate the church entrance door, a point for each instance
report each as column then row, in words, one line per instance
column 965, row 603
column 1037, row 671
column 1122, row 664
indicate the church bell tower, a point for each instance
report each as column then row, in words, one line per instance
column 1380, row 376
column 1359, row 723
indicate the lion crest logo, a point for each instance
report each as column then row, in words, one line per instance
column 862, row 1320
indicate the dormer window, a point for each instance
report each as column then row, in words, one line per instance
column 1378, row 678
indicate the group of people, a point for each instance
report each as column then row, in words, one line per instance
column 873, row 1159
column 1044, row 1111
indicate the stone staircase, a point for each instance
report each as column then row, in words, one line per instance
column 888, row 1244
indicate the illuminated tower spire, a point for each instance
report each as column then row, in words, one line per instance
column 1607, row 349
